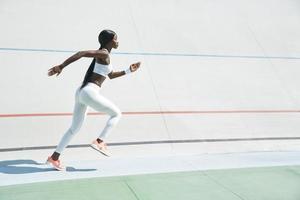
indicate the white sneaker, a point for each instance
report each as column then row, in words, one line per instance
column 56, row 164
column 101, row 147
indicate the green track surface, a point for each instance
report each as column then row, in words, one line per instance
column 268, row 183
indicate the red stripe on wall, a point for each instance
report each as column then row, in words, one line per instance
column 153, row 113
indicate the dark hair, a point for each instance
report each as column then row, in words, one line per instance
column 104, row 38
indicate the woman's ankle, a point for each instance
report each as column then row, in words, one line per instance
column 55, row 156
column 99, row 140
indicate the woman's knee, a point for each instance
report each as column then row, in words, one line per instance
column 113, row 111
column 117, row 113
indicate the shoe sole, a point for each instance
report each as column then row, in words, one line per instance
column 99, row 150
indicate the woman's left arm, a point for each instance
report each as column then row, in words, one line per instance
column 101, row 53
column 132, row 68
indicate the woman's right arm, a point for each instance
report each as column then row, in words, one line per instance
column 102, row 54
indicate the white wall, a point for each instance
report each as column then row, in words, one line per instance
column 228, row 80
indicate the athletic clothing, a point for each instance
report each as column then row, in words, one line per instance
column 90, row 96
column 101, row 69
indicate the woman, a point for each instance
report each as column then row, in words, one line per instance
column 87, row 95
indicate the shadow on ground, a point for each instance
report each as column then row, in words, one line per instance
column 27, row 166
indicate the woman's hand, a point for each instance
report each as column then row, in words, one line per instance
column 55, row 70
column 135, row 66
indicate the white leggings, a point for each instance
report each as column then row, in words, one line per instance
column 89, row 96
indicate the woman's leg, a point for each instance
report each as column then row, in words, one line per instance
column 79, row 114
column 102, row 104
column 115, row 115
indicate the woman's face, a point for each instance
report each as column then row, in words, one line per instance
column 115, row 42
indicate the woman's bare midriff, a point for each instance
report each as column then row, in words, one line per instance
column 97, row 79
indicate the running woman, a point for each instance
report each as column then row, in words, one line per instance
column 88, row 95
